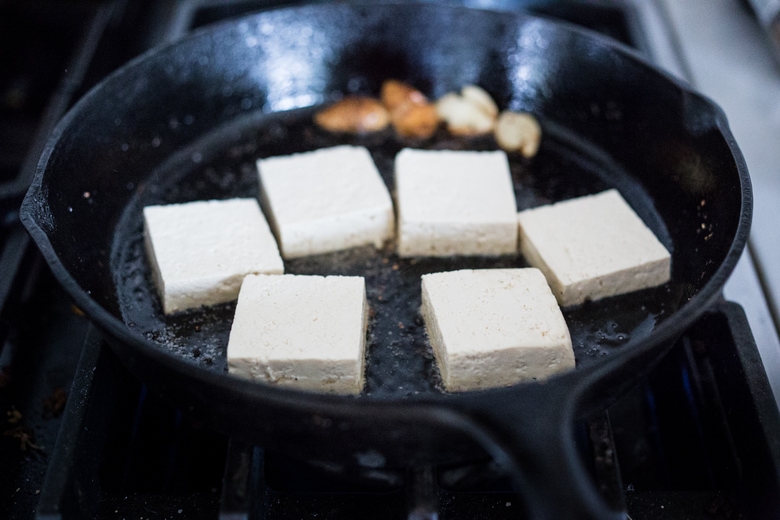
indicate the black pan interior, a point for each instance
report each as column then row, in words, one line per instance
column 187, row 122
column 400, row 360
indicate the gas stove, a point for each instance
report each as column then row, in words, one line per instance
column 699, row 437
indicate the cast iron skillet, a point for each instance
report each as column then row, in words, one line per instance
column 187, row 121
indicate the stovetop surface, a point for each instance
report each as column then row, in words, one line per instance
column 82, row 438
column 728, row 56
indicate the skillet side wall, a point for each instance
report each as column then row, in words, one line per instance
column 666, row 137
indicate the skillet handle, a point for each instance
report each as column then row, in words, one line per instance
column 540, row 453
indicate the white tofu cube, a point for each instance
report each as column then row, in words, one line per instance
column 200, row 252
column 592, row 247
column 494, row 327
column 306, row 332
column 326, row 200
column 454, row 203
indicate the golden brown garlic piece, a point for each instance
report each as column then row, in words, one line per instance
column 518, row 132
column 396, row 93
column 479, row 97
column 354, row 115
column 411, row 113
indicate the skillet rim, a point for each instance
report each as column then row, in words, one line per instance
column 35, row 200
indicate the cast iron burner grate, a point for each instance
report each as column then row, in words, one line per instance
column 693, row 440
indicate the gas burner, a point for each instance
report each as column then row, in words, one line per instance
column 693, row 440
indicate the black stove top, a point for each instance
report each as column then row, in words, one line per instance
column 81, row 438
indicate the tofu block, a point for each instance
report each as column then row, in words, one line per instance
column 494, row 327
column 326, row 200
column 306, row 332
column 200, row 252
column 454, row 203
column 592, row 247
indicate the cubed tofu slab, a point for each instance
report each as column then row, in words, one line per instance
column 494, row 327
column 200, row 252
column 592, row 247
column 454, row 203
column 326, row 200
column 306, row 332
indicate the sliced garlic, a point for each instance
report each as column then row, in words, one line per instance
column 397, row 93
column 355, row 115
column 412, row 120
column 411, row 113
column 518, row 131
column 481, row 98
column 463, row 116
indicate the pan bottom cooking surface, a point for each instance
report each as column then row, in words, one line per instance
column 399, row 358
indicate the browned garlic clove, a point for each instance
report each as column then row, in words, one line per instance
column 396, row 93
column 411, row 113
column 355, row 115
column 413, row 120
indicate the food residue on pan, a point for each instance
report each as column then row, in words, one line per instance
column 15, row 430
column 54, row 404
